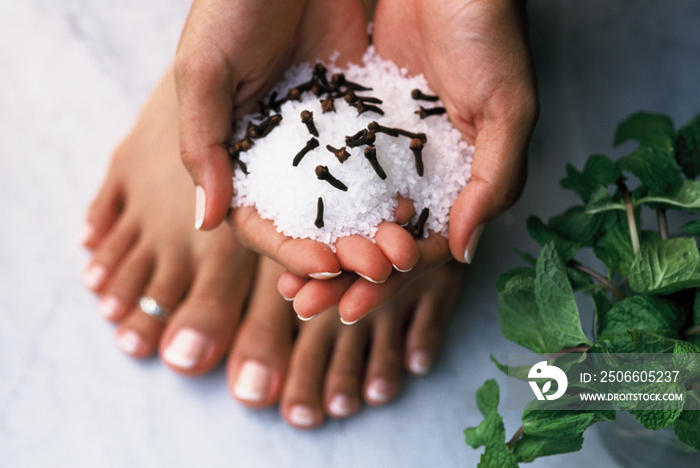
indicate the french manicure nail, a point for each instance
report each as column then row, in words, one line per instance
column 341, row 406
column 473, row 242
column 346, row 322
column 378, row 390
column 302, row 415
column 400, row 270
column 86, row 233
column 419, row 362
column 94, row 275
column 109, row 307
column 200, row 200
column 128, row 341
column 370, row 279
column 186, row 349
column 306, row 319
column 253, row 381
column 323, row 275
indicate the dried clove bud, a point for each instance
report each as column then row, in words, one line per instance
column 417, row 229
column 362, row 107
column 418, row 95
column 351, row 97
column 338, row 80
column 328, row 105
column 319, row 213
column 364, row 137
column 293, row 94
column 423, row 112
column 371, row 155
column 416, row 146
column 311, row 144
column 265, row 127
column 323, row 173
column 319, row 72
column 375, row 127
column 341, row 153
column 307, row 118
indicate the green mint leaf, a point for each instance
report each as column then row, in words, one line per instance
column 598, row 171
column 688, row 149
column 693, row 227
column 656, row 167
column 645, row 341
column 687, row 197
column 662, row 413
column 644, row 128
column 555, row 299
column 530, row 447
column 491, row 430
column 601, row 200
column 601, row 305
column 577, row 225
column 487, row 397
column 505, row 277
column 691, row 408
column 579, row 280
column 666, row 266
column 687, row 433
column 540, row 421
column 497, row 456
column 519, row 372
column 687, row 356
column 526, row 257
column 544, row 234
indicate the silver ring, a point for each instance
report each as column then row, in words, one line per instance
column 151, row 307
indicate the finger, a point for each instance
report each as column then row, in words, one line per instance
column 398, row 246
column 303, row 257
column 204, row 89
column 355, row 253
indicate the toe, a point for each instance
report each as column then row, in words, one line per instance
column 108, row 255
column 385, row 366
column 259, row 359
column 102, row 213
column 343, row 384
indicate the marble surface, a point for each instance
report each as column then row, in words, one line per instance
column 73, row 74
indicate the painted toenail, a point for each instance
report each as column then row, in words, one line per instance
column 94, row 275
column 186, row 349
column 370, row 279
column 86, row 233
column 128, row 341
column 109, row 307
column 200, row 204
column 302, row 415
column 378, row 390
column 400, row 270
column 252, row 382
column 323, row 276
column 419, row 362
column 341, row 406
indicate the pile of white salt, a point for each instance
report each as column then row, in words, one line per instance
column 289, row 195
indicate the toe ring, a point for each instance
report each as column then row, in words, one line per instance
column 151, row 307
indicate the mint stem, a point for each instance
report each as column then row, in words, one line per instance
column 518, row 434
column 631, row 222
column 597, row 276
column 663, row 224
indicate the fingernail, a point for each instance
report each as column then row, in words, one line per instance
column 419, row 362
column 378, row 390
column 109, row 307
column 94, row 275
column 186, row 349
column 473, row 242
column 302, row 415
column 128, row 341
column 200, row 199
column 346, row 322
column 324, row 275
column 252, row 382
column 288, row 299
column 370, row 279
column 306, row 319
column 86, row 233
column 400, row 270
column 341, row 406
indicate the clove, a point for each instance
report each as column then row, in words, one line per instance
column 323, row 173
column 392, row 131
column 341, row 153
column 417, row 229
column 311, row 144
column 319, row 72
column 293, row 94
column 418, row 95
column 327, row 105
column 416, row 146
column 364, row 137
column 371, row 155
column 307, row 118
column 423, row 112
column 319, row 213
column 265, row 127
column 351, row 97
column 338, row 80
column 362, row 107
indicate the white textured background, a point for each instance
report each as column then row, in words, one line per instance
column 73, row 74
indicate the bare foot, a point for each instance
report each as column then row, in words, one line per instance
column 323, row 368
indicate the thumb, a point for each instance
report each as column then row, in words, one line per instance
column 499, row 170
column 204, row 94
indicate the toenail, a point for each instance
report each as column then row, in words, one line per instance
column 378, row 390
column 252, row 382
column 302, row 415
column 128, row 341
column 200, row 204
column 94, row 275
column 186, row 349
column 109, row 307
column 400, row 270
column 370, row 279
column 323, row 275
column 419, row 362
column 341, row 406
column 86, row 233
